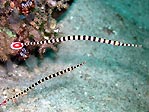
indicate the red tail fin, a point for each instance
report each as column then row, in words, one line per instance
column 3, row 103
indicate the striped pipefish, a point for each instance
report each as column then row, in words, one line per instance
column 82, row 37
column 78, row 37
column 61, row 72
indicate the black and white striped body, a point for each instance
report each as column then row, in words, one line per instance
column 43, row 80
column 82, row 37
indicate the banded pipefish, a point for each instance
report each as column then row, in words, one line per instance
column 25, row 91
column 73, row 37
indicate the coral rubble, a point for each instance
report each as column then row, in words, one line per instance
column 29, row 20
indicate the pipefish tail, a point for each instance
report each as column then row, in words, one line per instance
column 61, row 72
column 82, row 37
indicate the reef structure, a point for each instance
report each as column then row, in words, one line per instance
column 30, row 20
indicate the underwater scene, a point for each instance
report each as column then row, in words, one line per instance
column 74, row 56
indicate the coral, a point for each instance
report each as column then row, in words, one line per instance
column 29, row 20
column 5, row 50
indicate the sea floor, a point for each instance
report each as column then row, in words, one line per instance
column 114, row 79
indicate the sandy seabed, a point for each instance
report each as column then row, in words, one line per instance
column 114, row 79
